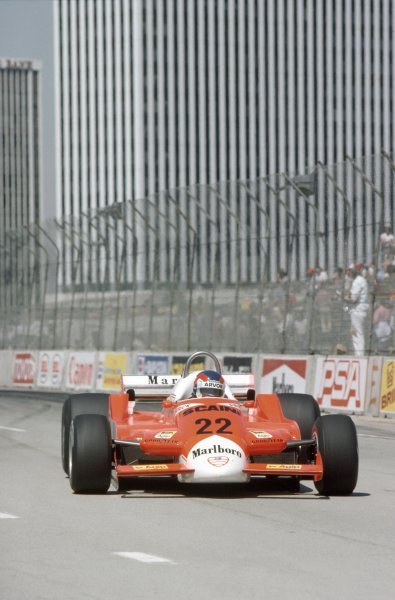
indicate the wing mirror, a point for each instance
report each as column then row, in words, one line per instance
column 249, row 404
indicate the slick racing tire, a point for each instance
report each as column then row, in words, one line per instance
column 338, row 445
column 79, row 404
column 303, row 409
column 90, row 454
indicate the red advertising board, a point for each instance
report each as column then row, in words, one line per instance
column 24, row 369
column 340, row 383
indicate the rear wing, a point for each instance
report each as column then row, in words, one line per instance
column 161, row 386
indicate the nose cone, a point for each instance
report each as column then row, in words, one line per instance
column 216, row 459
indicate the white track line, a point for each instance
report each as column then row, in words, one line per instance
column 11, row 428
column 145, row 558
column 7, row 516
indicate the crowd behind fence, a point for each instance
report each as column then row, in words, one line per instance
column 243, row 266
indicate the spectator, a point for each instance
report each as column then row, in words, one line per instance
column 320, row 275
column 387, row 243
column 310, row 280
column 357, row 299
column 323, row 306
column 387, row 237
column 280, row 289
column 382, row 329
column 338, row 280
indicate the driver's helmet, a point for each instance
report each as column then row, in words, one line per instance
column 208, row 383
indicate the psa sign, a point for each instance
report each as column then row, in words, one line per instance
column 340, row 383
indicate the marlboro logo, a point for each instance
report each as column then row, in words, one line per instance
column 218, row 461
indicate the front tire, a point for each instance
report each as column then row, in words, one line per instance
column 338, row 446
column 79, row 404
column 90, row 454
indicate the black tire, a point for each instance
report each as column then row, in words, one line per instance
column 79, row 404
column 90, row 454
column 303, row 409
column 338, row 445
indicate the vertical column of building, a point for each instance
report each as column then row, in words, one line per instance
column 262, row 147
column 291, row 119
column 387, row 32
column 329, row 119
column 241, row 143
column 234, row 229
column 222, row 110
column 139, row 149
column 271, row 136
column 172, row 57
column 254, row 252
column 280, row 99
column 354, row 113
column 183, row 132
column 127, row 138
column 212, row 132
column 203, row 137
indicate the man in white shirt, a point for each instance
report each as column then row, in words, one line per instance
column 358, row 300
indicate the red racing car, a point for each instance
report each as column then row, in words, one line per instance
column 210, row 428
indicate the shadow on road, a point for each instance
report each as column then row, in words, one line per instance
column 257, row 488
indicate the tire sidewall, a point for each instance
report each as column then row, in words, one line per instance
column 90, row 453
column 79, row 404
column 337, row 444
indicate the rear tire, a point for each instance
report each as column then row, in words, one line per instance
column 90, row 454
column 303, row 409
column 338, row 446
column 79, row 404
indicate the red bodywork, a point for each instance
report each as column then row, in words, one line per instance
column 165, row 438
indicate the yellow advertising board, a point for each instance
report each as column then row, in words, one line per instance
column 111, row 366
column 387, row 395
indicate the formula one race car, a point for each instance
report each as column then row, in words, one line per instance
column 202, row 435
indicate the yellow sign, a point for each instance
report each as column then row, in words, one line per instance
column 113, row 365
column 285, row 467
column 178, row 362
column 150, row 467
column 387, row 395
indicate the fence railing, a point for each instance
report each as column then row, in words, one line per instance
column 233, row 266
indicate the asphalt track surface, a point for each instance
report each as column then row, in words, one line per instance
column 243, row 542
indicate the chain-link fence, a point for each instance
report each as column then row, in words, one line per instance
column 237, row 266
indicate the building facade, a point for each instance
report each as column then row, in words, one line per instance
column 20, row 173
column 158, row 95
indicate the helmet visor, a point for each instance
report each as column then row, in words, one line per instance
column 216, row 392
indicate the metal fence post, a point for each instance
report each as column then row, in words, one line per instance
column 190, row 266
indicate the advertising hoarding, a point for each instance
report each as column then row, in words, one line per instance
column 50, row 369
column 340, row 383
column 80, row 371
column 24, row 369
column 153, row 364
column 283, row 375
column 111, row 366
column 387, row 392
